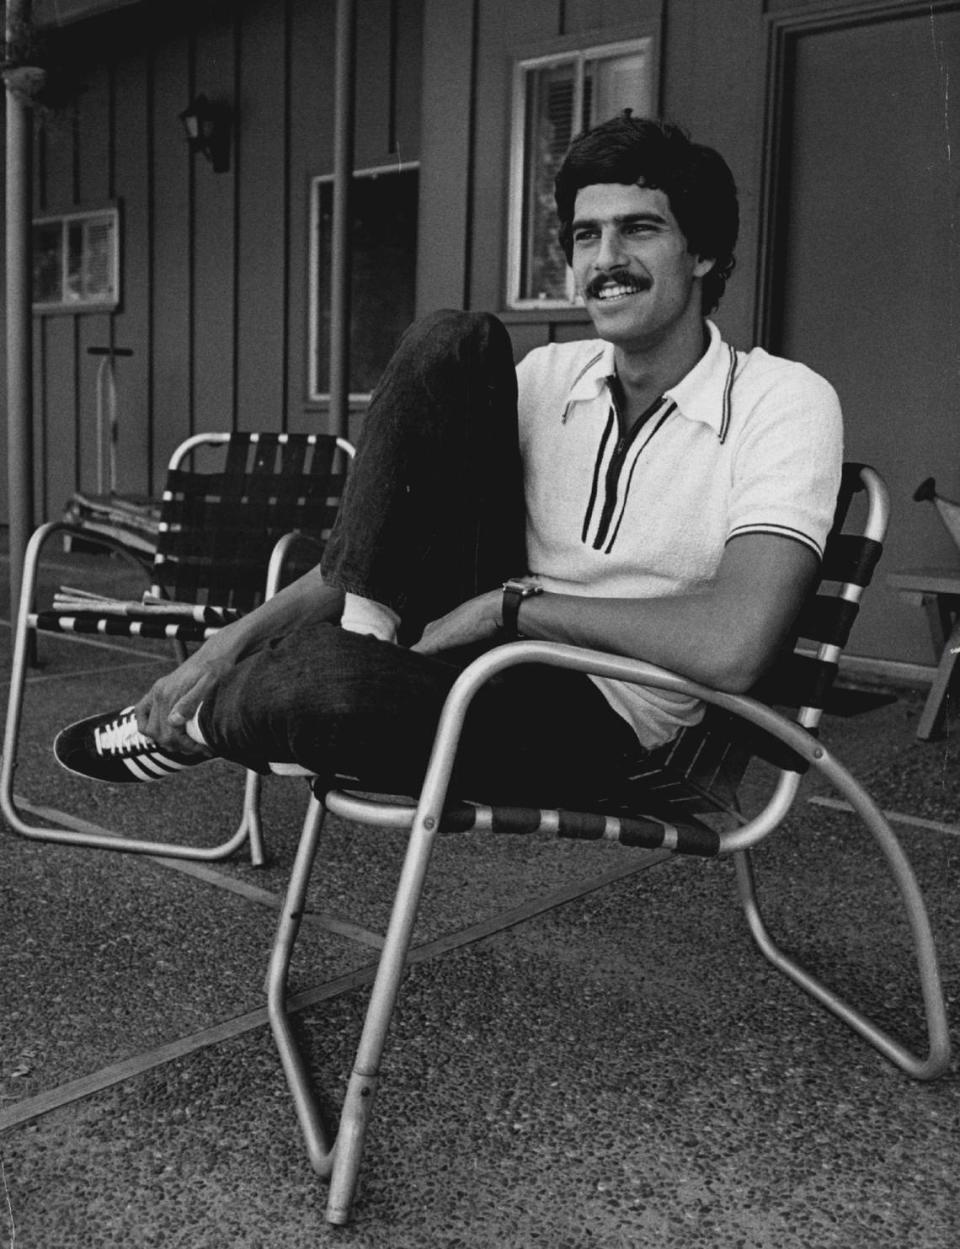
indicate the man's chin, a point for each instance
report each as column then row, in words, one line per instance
column 614, row 319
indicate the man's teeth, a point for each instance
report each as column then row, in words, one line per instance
column 616, row 292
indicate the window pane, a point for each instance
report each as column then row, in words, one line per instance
column 549, row 116
column 98, row 259
column 559, row 100
column 383, row 237
column 74, row 261
column 47, row 262
column 614, row 83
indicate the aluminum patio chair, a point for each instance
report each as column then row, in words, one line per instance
column 240, row 513
column 666, row 804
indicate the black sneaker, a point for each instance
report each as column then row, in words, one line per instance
column 110, row 747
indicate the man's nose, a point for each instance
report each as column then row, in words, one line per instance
column 610, row 253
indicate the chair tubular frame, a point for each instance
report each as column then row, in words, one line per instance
column 338, row 1158
column 15, row 809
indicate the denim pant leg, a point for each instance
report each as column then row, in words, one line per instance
column 433, row 512
column 347, row 706
column 433, row 515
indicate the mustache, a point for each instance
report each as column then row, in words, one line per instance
column 596, row 285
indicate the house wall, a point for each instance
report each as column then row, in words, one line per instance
column 214, row 265
column 215, row 281
column 738, row 74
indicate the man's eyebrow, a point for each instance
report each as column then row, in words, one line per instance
column 621, row 219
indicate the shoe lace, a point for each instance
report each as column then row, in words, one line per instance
column 121, row 736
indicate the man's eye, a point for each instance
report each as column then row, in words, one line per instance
column 584, row 235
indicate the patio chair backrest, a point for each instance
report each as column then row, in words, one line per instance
column 804, row 675
column 218, row 528
column 701, row 769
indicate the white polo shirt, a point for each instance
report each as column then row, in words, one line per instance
column 745, row 443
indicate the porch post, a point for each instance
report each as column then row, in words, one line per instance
column 19, row 316
column 340, row 228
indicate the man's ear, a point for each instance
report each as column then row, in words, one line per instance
column 703, row 266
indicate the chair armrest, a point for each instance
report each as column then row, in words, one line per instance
column 638, row 672
column 45, row 532
column 282, row 551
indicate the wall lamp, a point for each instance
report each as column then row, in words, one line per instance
column 207, row 125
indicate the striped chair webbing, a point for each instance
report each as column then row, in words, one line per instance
column 217, row 529
column 645, row 833
column 121, row 626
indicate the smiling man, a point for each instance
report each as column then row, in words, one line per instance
column 652, row 492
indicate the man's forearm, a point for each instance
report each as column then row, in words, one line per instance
column 724, row 636
column 304, row 600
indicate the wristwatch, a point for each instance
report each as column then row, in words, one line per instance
column 514, row 592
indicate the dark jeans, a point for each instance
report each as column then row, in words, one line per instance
column 432, row 516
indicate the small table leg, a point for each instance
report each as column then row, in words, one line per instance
column 935, row 706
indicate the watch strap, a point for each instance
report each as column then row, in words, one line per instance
column 514, row 592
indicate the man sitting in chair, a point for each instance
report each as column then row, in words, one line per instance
column 652, row 492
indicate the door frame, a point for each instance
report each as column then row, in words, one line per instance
column 786, row 22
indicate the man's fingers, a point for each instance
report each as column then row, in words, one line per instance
column 185, row 707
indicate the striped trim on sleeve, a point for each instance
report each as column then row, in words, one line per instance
column 781, row 531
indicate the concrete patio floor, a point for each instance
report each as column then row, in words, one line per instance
column 589, row 1051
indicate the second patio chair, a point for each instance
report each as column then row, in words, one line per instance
column 240, row 512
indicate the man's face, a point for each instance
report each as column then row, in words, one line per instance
column 631, row 264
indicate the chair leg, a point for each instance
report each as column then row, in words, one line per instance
column 294, row 1067
column 250, row 823
column 340, row 1160
column 362, row 1087
column 15, row 809
column 938, row 1056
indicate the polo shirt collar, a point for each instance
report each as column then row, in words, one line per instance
column 703, row 395
column 592, row 378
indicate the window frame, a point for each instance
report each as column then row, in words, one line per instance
column 645, row 36
column 314, row 394
column 108, row 303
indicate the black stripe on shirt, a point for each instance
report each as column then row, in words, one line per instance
column 727, row 394
column 671, row 406
column 598, row 465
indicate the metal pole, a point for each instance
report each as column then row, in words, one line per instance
column 19, row 317
column 340, row 229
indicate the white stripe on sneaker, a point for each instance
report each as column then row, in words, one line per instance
column 151, row 767
column 141, row 773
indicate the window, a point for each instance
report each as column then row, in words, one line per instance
column 383, row 237
column 555, row 98
column 75, row 262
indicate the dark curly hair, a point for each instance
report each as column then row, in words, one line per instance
column 657, row 154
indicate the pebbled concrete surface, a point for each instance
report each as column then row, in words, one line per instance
column 622, row 1070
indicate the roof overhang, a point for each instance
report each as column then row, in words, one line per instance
column 63, row 12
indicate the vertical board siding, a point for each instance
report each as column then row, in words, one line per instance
column 408, row 68
column 214, row 266
column 442, row 229
column 716, row 55
column 213, row 298
column 588, row 16
column 373, row 94
column 261, row 221
column 172, row 247
column 62, row 435
column 92, row 181
column 310, row 153
column 133, row 321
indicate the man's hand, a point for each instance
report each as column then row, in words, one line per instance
column 473, row 621
column 170, row 702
